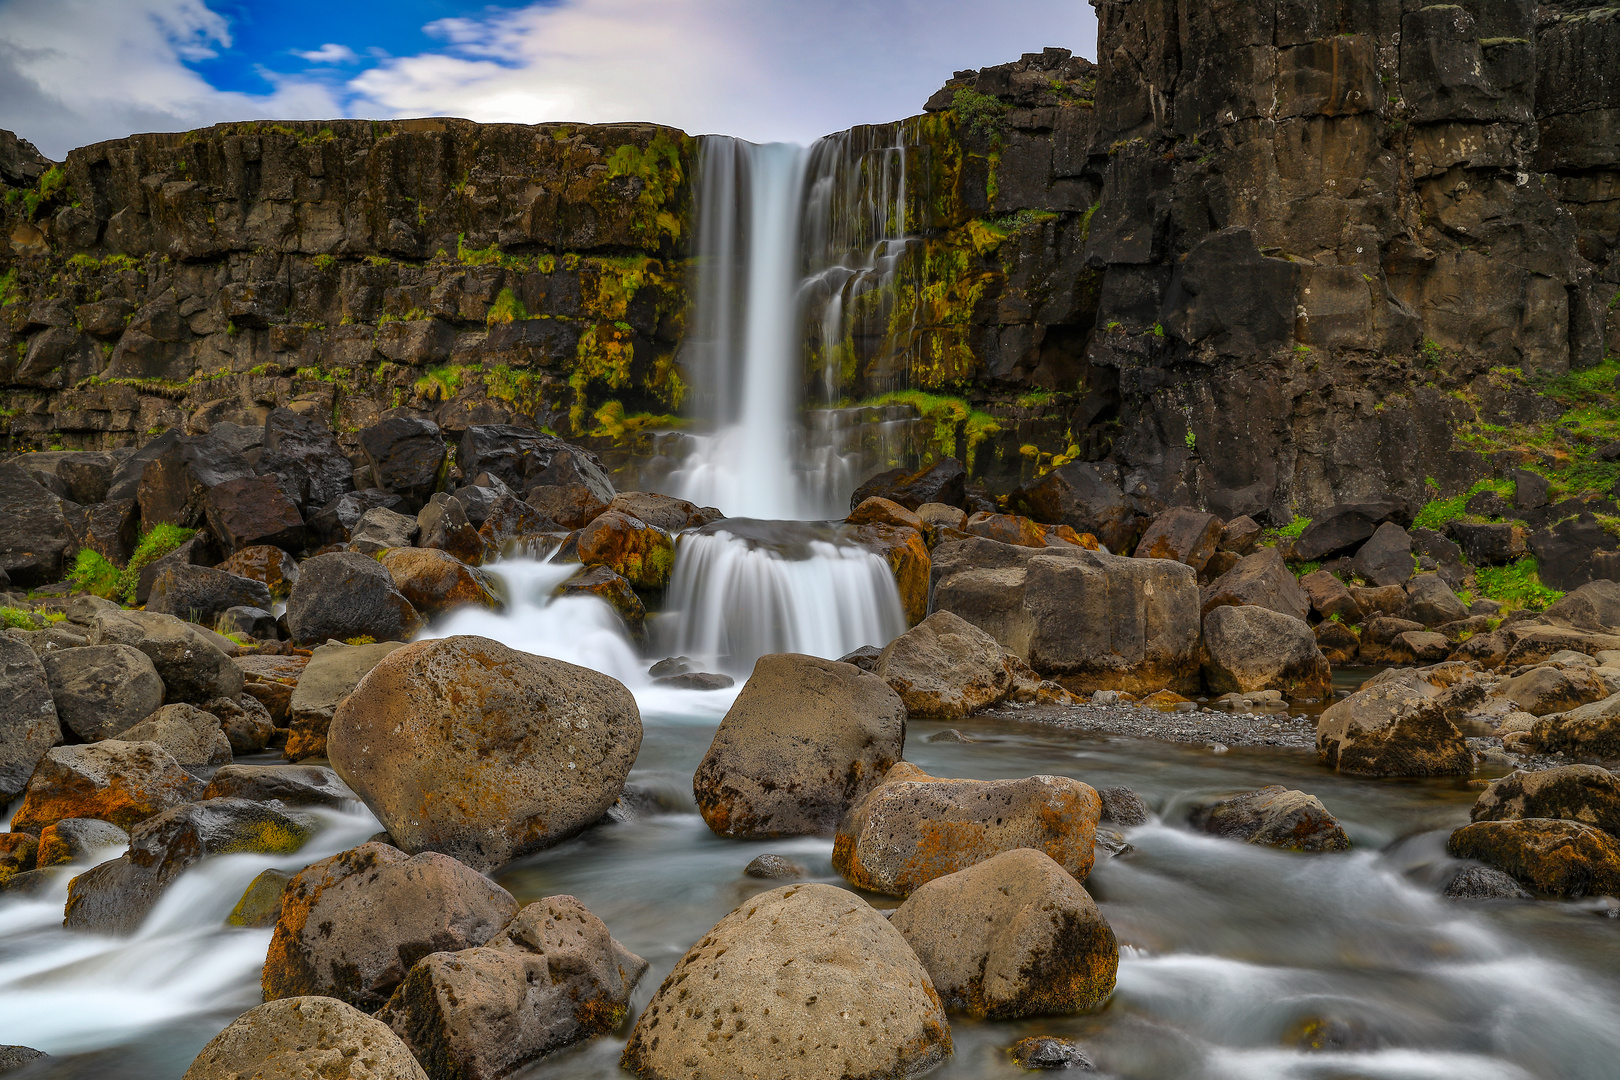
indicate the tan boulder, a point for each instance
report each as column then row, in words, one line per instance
column 191, row 735
column 119, row 782
column 1591, row 730
column 805, row 739
column 1560, row 858
column 1274, row 817
column 806, row 982
column 907, row 554
column 1391, row 729
column 642, row 554
column 436, row 582
column 945, row 668
column 1015, row 935
column 301, row 1038
column 1544, row 690
column 1583, row 793
column 330, row 676
column 914, row 827
column 1250, row 648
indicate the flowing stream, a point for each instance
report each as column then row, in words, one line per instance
column 1236, row 962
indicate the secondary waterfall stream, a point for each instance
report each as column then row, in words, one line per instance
column 1237, row 962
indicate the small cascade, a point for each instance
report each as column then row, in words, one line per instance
column 744, row 588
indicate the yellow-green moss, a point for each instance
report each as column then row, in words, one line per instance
column 659, row 169
column 507, row 308
column 954, row 421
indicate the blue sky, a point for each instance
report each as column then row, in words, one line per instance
column 79, row 71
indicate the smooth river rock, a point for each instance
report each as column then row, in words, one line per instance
column 945, row 668
column 305, row 1038
column 1252, row 648
column 1391, row 729
column 463, row 746
column 102, row 689
column 802, row 743
column 1274, row 817
column 806, row 982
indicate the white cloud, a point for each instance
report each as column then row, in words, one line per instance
column 78, row 71
column 328, row 54
column 762, row 69
column 74, row 72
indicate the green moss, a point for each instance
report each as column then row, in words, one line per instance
column 658, row 167
column 324, row 263
column 94, row 573
column 17, row 619
column 8, row 288
column 440, row 383
column 362, row 639
column 155, row 543
column 958, row 427
column 1517, row 585
column 507, row 308
column 52, row 183
column 1295, row 528
column 516, row 387
column 1440, row 512
column 979, row 113
column 477, row 256
column 614, row 423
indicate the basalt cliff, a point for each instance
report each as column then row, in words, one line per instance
column 1261, row 257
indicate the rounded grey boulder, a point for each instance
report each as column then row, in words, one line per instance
column 102, row 689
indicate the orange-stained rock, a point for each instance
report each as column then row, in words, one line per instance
column 1563, row 858
column 640, row 553
column 270, row 679
column 611, row 589
column 914, row 828
column 907, row 555
column 1183, row 534
column 114, row 781
column 1164, row 700
column 436, row 582
column 277, row 569
column 880, row 511
column 1006, row 528
column 17, row 851
column 1064, row 534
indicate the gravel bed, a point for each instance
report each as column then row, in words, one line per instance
column 1207, row 727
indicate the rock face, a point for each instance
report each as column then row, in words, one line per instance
column 35, row 533
column 914, row 828
column 344, row 596
column 1254, row 648
column 1391, row 730
column 351, row 926
column 122, row 783
column 300, row 1037
column 551, row 977
column 464, row 746
column 804, row 741
column 945, row 668
column 1591, row 730
column 29, row 726
column 808, row 983
column 1560, row 858
column 100, row 690
column 1274, row 817
column 1012, row 936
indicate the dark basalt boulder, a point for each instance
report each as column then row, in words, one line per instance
column 407, row 456
column 443, row 525
column 1594, row 606
column 1343, row 528
column 344, row 595
column 1488, row 545
column 33, row 530
column 292, row 785
column 272, row 566
column 1566, row 553
column 28, row 726
column 100, row 690
column 202, row 594
column 175, row 484
column 572, row 489
column 198, row 551
column 253, row 511
column 477, row 497
column 110, row 529
column 304, row 456
column 1274, row 817
column 1386, row 557
column 1086, row 496
column 512, row 455
column 944, row 482
column 332, row 523
column 667, row 513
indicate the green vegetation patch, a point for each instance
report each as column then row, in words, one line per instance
column 979, row 113
column 1440, row 512
column 954, row 420
column 93, row 573
column 1517, row 585
column 17, row 619
column 155, row 543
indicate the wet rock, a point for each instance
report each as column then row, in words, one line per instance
column 190, row 735
column 1260, row 580
column 442, row 525
column 77, row 840
column 113, row 781
column 464, row 746
column 943, row 482
column 865, row 657
column 336, row 520
column 951, row 736
column 260, row 904
column 1254, row 648
column 1589, row 731
column 773, row 867
column 1583, row 793
column 269, row 679
column 1122, row 806
column 29, row 725
column 202, row 594
column 407, row 456
column 1544, row 690
column 102, row 689
column 881, row 511
column 198, row 551
column 512, row 523
column 572, row 488
column 249, row 622
column 17, row 854
column 1485, row 883
column 351, row 926
column 253, row 511
column 330, row 676
column 1014, row 935
column 1046, row 1052
column 834, row 965
column 1328, row 597
column 479, row 495
column 304, row 456
column 696, row 680
column 1087, row 497
column 945, row 668
column 913, row 827
column 1006, row 529
column 612, row 590
column 380, row 529
column 1386, row 557
column 1431, row 602
column 1274, row 817
column 270, row 566
column 192, row 668
column 1559, row 858
column 1342, row 528
column 907, row 555
column 1337, row 642
column 345, row 596
column 1391, row 730
column 805, row 739
column 116, row 897
column 244, row 720
column 664, row 512
column 551, row 977
column 1185, row 535
column 437, row 582
column 292, row 785
column 640, row 553
column 301, row 1037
